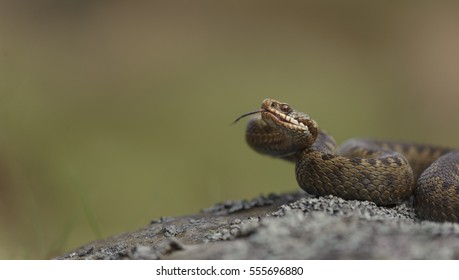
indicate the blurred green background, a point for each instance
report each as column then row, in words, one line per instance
column 114, row 113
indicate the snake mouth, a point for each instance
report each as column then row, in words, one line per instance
column 285, row 120
column 278, row 117
column 281, row 114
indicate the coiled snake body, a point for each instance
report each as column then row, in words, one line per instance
column 386, row 173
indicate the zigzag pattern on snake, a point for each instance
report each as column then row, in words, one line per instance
column 384, row 172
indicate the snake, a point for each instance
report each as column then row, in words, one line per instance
column 387, row 173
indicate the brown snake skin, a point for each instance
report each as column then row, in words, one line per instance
column 384, row 172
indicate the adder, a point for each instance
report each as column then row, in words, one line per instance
column 384, row 172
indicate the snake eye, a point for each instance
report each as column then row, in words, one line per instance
column 285, row 108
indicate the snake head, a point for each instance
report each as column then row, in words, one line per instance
column 285, row 118
column 280, row 130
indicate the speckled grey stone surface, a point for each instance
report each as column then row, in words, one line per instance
column 290, row 226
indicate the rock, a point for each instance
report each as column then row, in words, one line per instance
column 289, row 226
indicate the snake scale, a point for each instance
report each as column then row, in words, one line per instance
column 384, row 172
